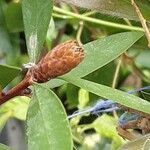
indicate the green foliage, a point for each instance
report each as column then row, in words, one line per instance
column 102, row 51
column 36, row 17
column 17, row 107
column 116, row 8
column 140, row 143
column 14, row 12
column 110, row 93
column 8, row 73
column 46, row 122
column 4, row 147
column 106, row 126
column 83, row 98
column 5, row 44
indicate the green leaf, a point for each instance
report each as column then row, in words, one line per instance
column 146, row 95
column 72, row 95
column 51, row 34
column 103, row 75
column 54, row 83
column 102, row 51
column 4, row 118
column 47, row 124
column 36, row 17
column 7, row 74
column 106, row 126
column 117, row 8
column 142, row 60
column 83, row 98
column 5, row 44
column 18, row 107
column 142, row 143
column 4, row 147
column 123, row 98
column 14, row 12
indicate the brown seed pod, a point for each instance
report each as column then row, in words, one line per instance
column 59, row 61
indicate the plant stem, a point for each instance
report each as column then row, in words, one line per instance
column 79, row 32
column 17, row 90
column 62, row 16
column 87, row 127
column 116, row 72
column 97, row 21
column 89, row 13
column 115, row 81
column 143, row 21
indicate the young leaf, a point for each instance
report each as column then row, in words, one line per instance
column 125, row 99
column 83, row 98
column 18, row 107
column 7, row 74
column 106, row 126
column 36, row 17
column 47, row 124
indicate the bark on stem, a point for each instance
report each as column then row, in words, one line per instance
column 17, row 90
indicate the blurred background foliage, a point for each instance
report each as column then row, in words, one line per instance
column 89, row 132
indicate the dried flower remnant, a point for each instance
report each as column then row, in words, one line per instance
column 59, row 61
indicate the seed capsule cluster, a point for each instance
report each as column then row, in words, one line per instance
column 58, row 61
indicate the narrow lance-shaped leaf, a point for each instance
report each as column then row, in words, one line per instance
column 125, row 99
column 117, row 8
column 47, row 124
column 36, row 17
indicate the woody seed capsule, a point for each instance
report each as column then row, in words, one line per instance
column 60, row 60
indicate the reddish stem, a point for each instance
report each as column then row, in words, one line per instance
column 17, row 90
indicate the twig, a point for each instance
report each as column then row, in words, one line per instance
column 79, row 32
column 116, row 72
column 17, row 90
column 143, row 22
column 56, row 15
column 97, row 21
column 127, row 21
column 115, row 80
column 125, row 134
